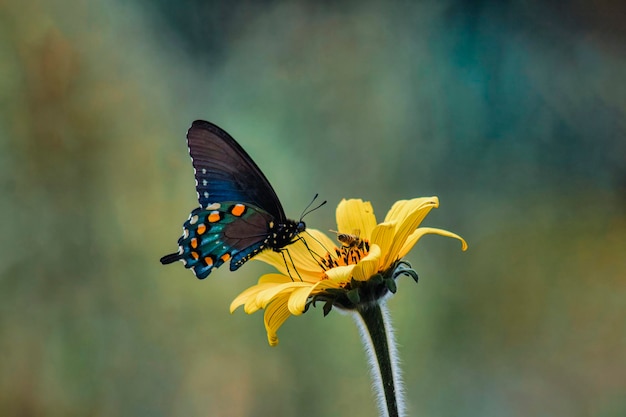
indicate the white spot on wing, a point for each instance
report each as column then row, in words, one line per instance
column 194, row 219
column 213, row 206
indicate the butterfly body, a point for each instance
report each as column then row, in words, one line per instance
column 239, row 214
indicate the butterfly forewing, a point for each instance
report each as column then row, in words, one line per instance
column 225, row 172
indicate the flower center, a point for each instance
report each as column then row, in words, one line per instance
column 346, row 255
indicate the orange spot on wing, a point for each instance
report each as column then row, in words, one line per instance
column 238, row 210
column 225, row 257
column 208, row 260
column 201, row 228
column 214, row 217
column 195, row 255
column 194, row 242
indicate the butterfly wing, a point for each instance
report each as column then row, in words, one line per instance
column 239, row 214
column 219, row 233
column 225, row 172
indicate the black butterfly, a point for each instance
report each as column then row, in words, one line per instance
column 239, row 214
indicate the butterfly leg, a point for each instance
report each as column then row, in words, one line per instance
column 282, row 252
column 314, row 255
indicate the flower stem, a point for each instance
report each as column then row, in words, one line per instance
column 378, row 339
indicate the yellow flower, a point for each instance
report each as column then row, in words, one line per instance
column 362, row 269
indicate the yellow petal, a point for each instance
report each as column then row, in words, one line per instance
column 356, row 216
column 308, row 255
column 251, row 304
column 248, row 297
column 419, row 209
column 274, row 279
column 303, row 257
column 368, row 266
column 341, row 273
column 297, row 300
column 403, row 208
column 272, row 258
column 263, row 298
column 383, row 236
column 276, row 314
column 416, row 235
column 324, row 285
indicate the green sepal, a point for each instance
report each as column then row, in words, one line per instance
column 376, row 279
column 328, row 306
column 404, row 268
column 354, row 296
column 391, row 285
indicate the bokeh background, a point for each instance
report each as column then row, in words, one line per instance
column 513, row 113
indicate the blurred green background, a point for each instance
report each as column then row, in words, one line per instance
column 513, row 113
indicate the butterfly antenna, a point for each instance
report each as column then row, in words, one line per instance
column 307, row 211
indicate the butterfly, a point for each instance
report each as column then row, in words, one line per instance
column 240, row 214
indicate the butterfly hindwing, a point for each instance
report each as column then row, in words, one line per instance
column 215, row 235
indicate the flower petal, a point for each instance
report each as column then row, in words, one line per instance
column 274, row 279
column 413, row 213
column 356, row 216
column 383, row 235
column 276, row 314
column 304, row 256
column 368, row 266
column 263, row 298
column 307, row 256
column 248, row 297
column 272, row 258
column 417, row 234
column 297, row 301
column 341, row 273
column 403, row 208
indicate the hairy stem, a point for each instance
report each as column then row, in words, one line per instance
column 373, row 321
